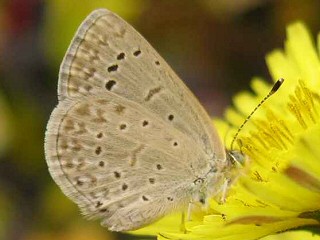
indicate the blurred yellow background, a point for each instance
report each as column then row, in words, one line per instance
column 215, row 46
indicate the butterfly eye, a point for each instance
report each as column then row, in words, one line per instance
column 198, row 181
column 202, row 200
column 236, row 158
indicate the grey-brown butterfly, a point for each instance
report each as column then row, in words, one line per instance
column 128, row 142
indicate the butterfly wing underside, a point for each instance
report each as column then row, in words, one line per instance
column 127, row 137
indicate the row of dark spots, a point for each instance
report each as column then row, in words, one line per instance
column 98, row 151
column 101, row 163
column 123, row 126
column 146, row 123
column 125, row 186
column 151, row 180
column 114, row 67
column 145, row 198
column 136, row 53
column 122, row 55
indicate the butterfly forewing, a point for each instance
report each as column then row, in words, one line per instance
column 127, row 138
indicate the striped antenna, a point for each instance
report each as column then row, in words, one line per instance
column 274, row 89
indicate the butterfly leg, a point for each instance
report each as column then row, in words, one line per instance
column 189, row 211
column 224, row 189
column 182, row 224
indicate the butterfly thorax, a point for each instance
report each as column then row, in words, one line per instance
column 221, row 175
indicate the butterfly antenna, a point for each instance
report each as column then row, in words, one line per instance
column 274, row 89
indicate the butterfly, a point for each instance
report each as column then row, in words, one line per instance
column 128, row 142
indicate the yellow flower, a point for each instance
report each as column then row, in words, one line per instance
column 279, row 188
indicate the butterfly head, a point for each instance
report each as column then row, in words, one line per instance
column 236, row 158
